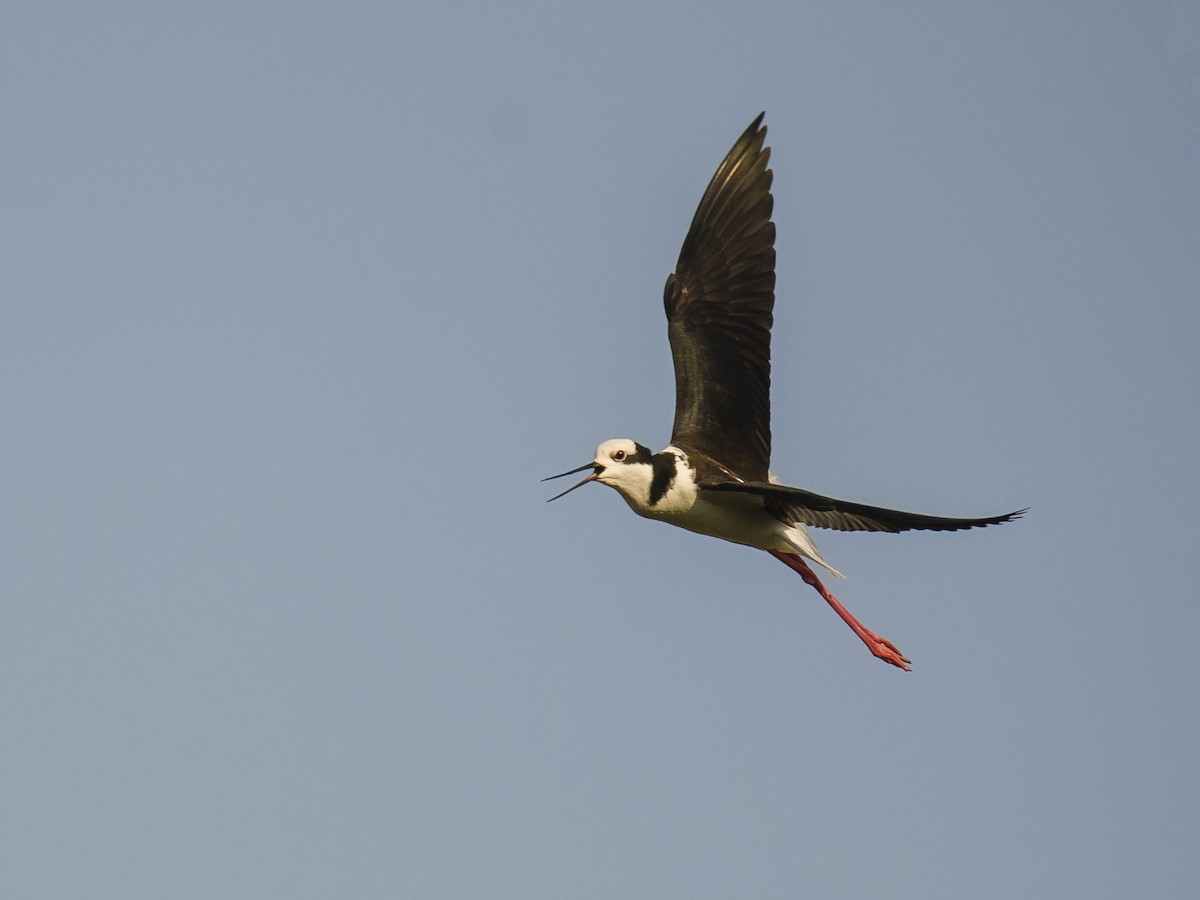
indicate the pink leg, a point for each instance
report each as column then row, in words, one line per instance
column 880, row 647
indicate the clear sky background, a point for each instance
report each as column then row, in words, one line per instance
column 300, row 300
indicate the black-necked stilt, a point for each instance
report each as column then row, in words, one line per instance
column 713, row 478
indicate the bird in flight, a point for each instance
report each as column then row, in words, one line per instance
column 713, row 478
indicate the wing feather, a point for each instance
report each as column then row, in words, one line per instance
column 719, row 304
column 798, row 506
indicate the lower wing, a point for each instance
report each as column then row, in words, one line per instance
column 797, row 506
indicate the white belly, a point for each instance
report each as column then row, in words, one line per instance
column 740, row 519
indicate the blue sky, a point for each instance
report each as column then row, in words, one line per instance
column 301, row 300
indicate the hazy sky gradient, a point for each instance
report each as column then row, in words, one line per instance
column 302, row 299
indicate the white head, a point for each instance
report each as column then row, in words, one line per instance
column 622, row 464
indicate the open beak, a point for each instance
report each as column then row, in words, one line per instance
column 596, row 469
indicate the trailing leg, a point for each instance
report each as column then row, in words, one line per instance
column 880, row 647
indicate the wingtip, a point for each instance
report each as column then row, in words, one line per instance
column 999, row 520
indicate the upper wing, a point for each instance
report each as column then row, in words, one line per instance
column 795, row 505
column 719, row 305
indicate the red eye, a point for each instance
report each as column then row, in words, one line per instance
column 620, row 454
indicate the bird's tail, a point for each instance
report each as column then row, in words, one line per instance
column 801, row 541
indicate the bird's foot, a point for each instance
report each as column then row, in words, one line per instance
column 885, row 650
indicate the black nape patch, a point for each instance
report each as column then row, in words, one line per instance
column 640, row 455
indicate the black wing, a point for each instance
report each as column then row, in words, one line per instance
column 719, row 307
column 795, row 505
